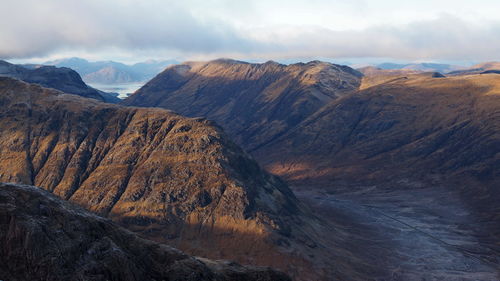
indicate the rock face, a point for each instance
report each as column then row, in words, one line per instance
column 418, row 125
column 44, row 238
column 170, row 178
column 63, row 79
column 254, row 103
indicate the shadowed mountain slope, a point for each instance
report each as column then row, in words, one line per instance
column 173, row 179
column 63, row 79
column 417, row 125
column 45, row 238
column 255, row 103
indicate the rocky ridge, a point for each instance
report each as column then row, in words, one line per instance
column 172, row 179
column 45, row 238
column 254, row 103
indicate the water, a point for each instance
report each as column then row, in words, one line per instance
column 123, row 89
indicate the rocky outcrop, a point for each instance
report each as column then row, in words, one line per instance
column 63, row 79
column 173, row 179
column 254, row 103
column 45, row 238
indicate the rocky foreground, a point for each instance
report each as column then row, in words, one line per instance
column 45, row 238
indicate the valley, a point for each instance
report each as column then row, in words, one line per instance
column 122, row 89
column 423, row 233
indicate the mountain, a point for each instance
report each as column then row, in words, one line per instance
column 110, row 72
column 424, row 67
column 412, row 165
column 172, row 179
column 255, row 103
column 487, row 67
column 63, row 79
column 373, row 75
column 419, row 125
column 402, row 164
column 45, row 238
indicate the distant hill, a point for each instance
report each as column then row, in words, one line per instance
column 424, row 67
column 486, row 67
column 59, row 78
column 110, row 72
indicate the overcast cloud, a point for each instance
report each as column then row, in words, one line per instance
column 424, row 30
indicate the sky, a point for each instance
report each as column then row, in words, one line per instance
column 460, row 31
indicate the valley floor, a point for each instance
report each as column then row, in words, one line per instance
column 407, row 234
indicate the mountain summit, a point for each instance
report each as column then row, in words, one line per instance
column 255, row 103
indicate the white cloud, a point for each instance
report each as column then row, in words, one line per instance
column 250, row 29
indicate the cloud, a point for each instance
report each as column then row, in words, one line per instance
column 35, row 28
column 32, row 28
column 446, row 37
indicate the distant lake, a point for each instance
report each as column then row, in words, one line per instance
column 123, row 89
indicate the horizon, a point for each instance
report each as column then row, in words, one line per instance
column 352, row 62
column 357, row 32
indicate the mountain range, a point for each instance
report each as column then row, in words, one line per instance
column 424, row 67
column 110, row 72
column 255, row 103
column 345, row 133
column 275, row 110
column 172, row 179
column 342, row 174
column 60, row 78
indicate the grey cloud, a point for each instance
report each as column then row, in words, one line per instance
column 37, row 28
column 34, row 28
column 446, row 37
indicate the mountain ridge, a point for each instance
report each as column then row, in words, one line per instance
column 46, row 238
column 170, row 178
column 254, row 103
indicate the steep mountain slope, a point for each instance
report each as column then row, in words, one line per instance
column 110, row 72
column 63, row 79
column 411, row 167
column 418, row 125
column 170, row 178
column 255, row 103
column 45, row 238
